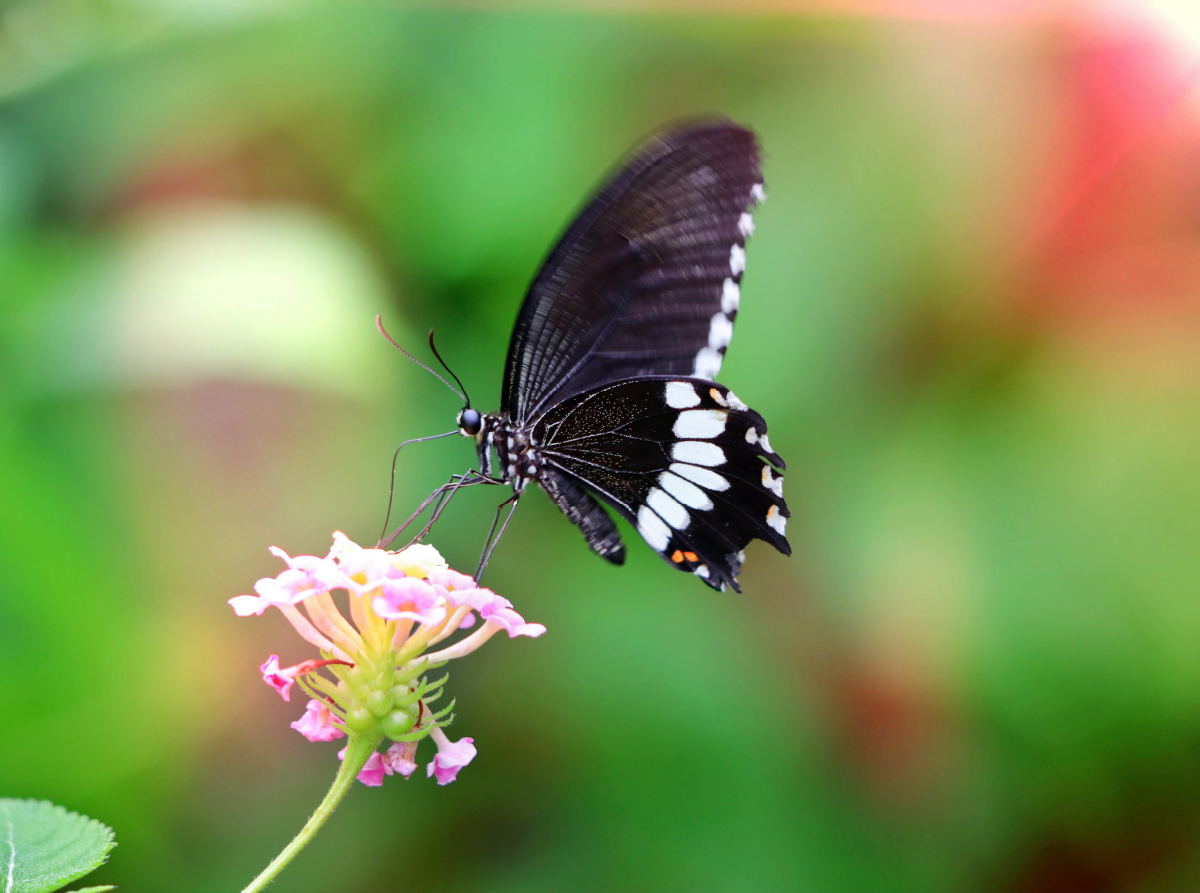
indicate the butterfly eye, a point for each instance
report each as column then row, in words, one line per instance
column 469, row 422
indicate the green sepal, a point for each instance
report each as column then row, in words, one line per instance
column 412, row 697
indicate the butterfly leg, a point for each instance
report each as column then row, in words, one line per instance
column 489, row 545
column 392, row 485
column 440, row 495
column 456, row 483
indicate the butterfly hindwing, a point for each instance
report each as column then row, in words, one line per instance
column 684, row 460
column 646, row 281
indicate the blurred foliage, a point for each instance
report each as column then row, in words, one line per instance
column 970, row 318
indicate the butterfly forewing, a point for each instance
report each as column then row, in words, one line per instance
column 646, row 281
column 684, row 460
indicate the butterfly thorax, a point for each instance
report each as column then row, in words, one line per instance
column 518, row 461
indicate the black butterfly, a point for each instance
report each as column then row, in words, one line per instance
column 608, row 392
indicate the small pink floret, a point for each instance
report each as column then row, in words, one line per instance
column 372, row 773
column 409, row 598
column 451, row 757
column 317, row 723
column 396, row 759
column 274, row 678
column 499, row 610
column 399, row 758
column 450, row 579
column 245, row 605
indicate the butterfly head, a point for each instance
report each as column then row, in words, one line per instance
column 470, row 422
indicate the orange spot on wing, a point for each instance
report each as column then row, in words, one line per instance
column 690, row 556
column 677, row 556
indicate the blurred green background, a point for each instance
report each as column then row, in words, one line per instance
column 971, row 318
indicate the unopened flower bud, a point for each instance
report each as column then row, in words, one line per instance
column 397, row 723
column 361, row 720
column 379, row 702
column 385, row 680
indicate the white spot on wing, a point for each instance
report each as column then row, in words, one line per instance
column 700, row 424
column 717, row 396
column 757, row 193
column 667, row 509
column 681, row 395
column 731, row 296
column 746, row 225
column 652, row 529
column 766, row 444
column 734, row 401
column 776, row 520
column 751, row 435
column 720, row 331
column 707, row 479
column 708, row 363
column 774, row 484
column 687, row 493
column 737, row 259
column 701, row 572
column 698, row 452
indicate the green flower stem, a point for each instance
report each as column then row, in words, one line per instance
column 358, row 752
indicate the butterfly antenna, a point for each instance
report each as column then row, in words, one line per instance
column 447, row 368
column 391, row 341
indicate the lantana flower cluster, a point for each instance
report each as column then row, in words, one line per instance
column 400, row 605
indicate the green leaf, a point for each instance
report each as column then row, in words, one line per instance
column 44, row 847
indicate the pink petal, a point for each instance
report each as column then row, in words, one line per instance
column 451, row 757
column 431, row 617
column 408, row 589
column 372, row 773
column 275, row 679
column 467, row 622
column 450, row 579
column 317, row 723
column 245, row 605
column 399, row 758
column 501, row 612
